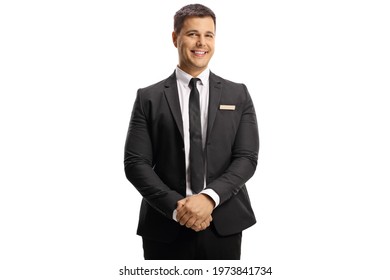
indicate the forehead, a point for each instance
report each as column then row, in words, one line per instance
column 202, row 24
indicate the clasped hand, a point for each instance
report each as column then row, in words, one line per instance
column 195, row 211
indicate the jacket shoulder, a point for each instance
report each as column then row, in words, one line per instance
column 229, row 87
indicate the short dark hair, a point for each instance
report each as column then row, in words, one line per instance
column 192, row 10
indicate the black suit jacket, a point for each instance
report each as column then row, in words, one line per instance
column 155, row 160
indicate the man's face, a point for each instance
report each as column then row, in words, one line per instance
column 195, row 44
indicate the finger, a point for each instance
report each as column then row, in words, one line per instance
column 179, row 206
column 181, row 202
column 191, row 221
column 196, row 228
column 184, row 219
column 197, row 225
column 200, row 226
column 180, row 213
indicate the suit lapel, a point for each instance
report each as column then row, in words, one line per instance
column 171, row 94
column 214, row 99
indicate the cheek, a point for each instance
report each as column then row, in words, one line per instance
column 185, row 49
column 182, row 45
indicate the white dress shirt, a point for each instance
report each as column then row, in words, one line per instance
column 183, row 80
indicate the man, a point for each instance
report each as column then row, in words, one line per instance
column 191, row 146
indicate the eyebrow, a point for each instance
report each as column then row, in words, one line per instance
column 197, row 31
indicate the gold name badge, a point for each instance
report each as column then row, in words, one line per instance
column 227, row 107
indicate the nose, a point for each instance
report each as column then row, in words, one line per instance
column 201, row 42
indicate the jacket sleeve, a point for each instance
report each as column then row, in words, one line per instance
column 244, row 154
column 138, row 162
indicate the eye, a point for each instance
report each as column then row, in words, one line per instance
column 192, row 34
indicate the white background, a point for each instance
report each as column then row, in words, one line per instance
column 318, row 72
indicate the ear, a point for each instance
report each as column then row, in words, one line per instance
column 174, row 38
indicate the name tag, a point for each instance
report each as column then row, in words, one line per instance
column 227, row 107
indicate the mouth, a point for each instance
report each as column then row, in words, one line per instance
column 199, row 53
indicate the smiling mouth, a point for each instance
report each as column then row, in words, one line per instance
column 199, row 53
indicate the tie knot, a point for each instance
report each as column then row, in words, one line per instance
column 193, row 82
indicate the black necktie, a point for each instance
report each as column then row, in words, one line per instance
column 196, row 149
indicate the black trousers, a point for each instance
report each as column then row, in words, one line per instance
column 191, row 245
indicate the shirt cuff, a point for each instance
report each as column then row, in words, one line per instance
column 174, row 215
column 211, row 193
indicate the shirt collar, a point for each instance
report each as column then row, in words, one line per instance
column 185, row 78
